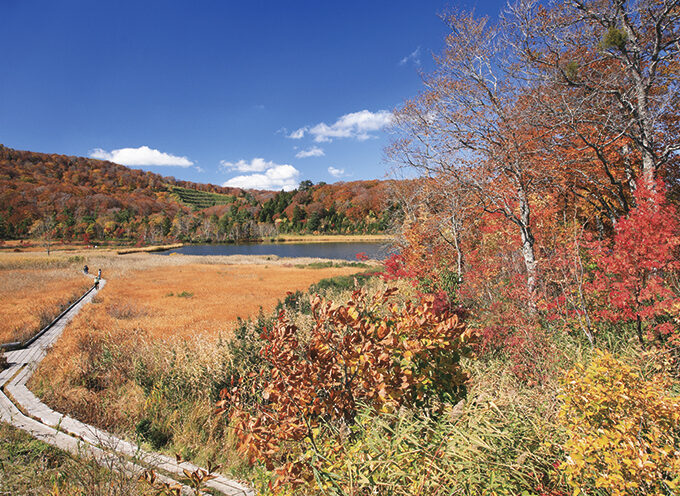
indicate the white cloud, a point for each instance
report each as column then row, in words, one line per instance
column 357, row 125
column 268, row 175
column 297, row 134
column 255, row 165
column 140, row 156
column 199, row 169
column 314, row 151
column 414, row 56
column 336, row 172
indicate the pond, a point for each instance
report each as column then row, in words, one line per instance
column 332, row 250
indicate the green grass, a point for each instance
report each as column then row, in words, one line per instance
column 330, row 288
column 200, row 199
column 340, row 283
column 30, row 467
column 330, row 264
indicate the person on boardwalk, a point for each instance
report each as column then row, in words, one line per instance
column 96, row 282
column 86, row 269
column 99, row 274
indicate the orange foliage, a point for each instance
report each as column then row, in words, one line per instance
column 93, row 200
column 369, row 351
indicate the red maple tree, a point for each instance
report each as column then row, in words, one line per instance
column 634, row 270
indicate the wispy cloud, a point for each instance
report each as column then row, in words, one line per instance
column 336, row 172
column 414, row 57
column 270, row 175
column 141, row 156
column 297, row 134
column 357, row 125
column 314, row 151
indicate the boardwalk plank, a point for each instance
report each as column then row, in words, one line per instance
column 10, row 414
column 66, row 432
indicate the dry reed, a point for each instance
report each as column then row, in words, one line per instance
column 143, row 355
column 33, row 291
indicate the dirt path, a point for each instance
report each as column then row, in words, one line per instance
column 21, row 408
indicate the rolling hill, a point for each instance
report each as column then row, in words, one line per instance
column 76, row 198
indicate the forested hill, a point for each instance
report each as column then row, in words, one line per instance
column 76, row 198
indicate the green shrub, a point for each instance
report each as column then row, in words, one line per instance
column 340, row 283
column 295, row 302
column 154, row 434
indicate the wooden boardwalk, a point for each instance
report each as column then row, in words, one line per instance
column 21, row 408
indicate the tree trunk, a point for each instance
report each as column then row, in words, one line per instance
column 529, row 259
column 648, row 158
column 527, row 242
column 639, row 329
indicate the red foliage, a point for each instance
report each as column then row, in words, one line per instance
column 395, row 268
column 361, row 256
column 631, row 282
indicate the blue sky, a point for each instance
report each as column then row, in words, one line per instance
column 249, row 93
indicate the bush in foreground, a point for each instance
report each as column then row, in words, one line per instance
column 624, row 431
column 370, row 351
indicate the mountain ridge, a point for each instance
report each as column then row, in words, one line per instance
column 91, row 199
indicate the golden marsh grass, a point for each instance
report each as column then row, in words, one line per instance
column 146, row 355
column 197, row 299
column 33, row 290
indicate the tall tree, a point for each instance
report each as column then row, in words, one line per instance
column 45, row 229
column 473, row 125
column 620, row 58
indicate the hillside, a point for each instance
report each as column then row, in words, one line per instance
column 76, row 198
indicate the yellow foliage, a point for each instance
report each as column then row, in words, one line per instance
column 624, row 431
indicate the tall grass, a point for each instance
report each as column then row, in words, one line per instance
column 30, row 467
column 148, row 363
column 34, row 290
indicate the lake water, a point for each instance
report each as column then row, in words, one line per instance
column 341, row 251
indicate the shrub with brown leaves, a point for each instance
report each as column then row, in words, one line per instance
column 370, row 351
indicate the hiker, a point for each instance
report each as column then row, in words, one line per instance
column 85, row 269
column 99, row 275
column 96, row 282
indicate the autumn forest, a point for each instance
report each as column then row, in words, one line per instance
column 524, row 340
column 78, row 199
column 539, row 350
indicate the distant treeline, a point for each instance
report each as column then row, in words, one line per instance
column 82, row 199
